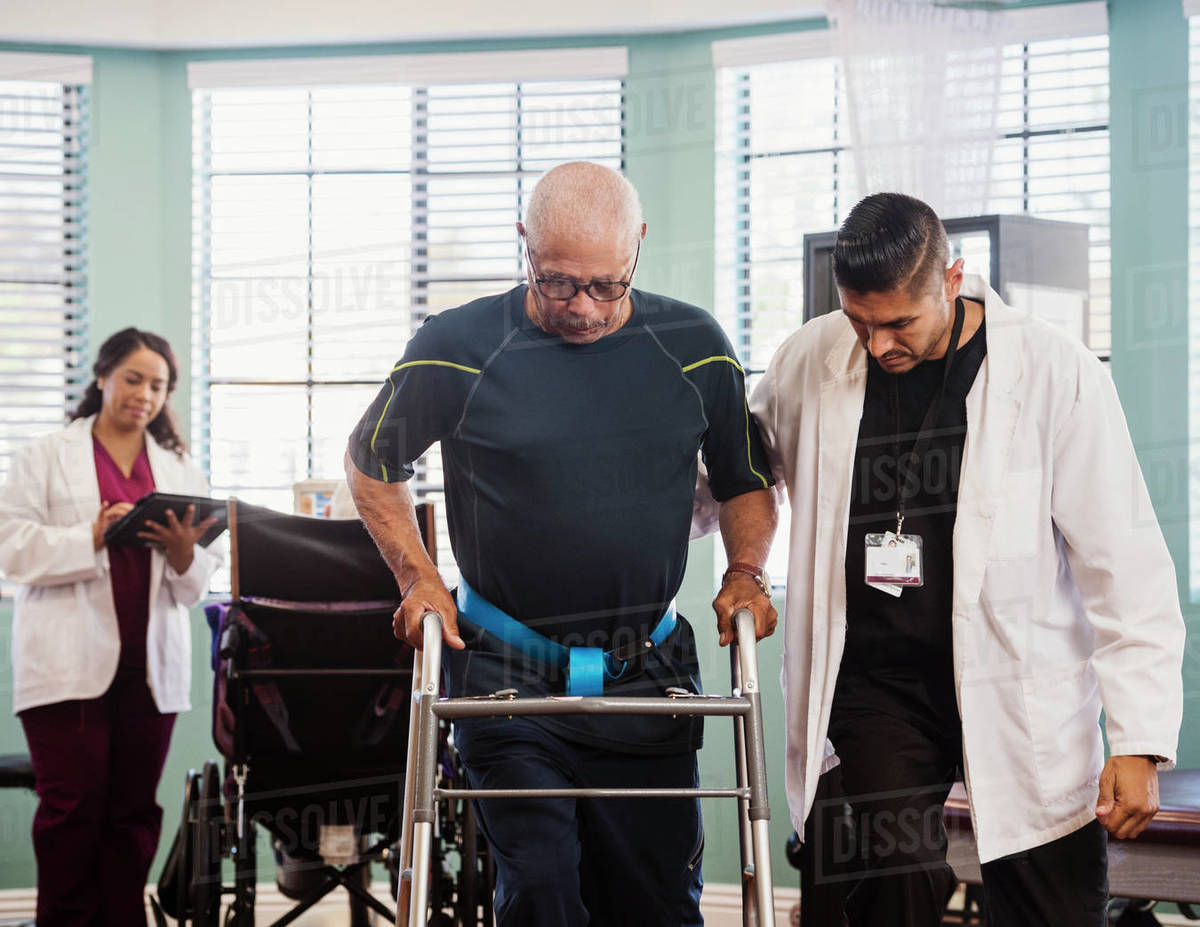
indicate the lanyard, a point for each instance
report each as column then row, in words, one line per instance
column 929, row 423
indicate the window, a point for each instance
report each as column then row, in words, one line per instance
column 785, row 168
column 331, row 219
column 1053, row 160
column 43, row 221
column 783, row 171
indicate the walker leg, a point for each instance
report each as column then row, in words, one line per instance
column 745, row 839
column 764, row 887
column 759, row 808
column 404, row 890
column 423, row 813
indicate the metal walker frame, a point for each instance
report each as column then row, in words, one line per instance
column 426, row 710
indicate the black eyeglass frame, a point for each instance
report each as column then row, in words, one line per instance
column 586, row 287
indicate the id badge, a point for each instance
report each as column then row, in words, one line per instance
column 894, row 560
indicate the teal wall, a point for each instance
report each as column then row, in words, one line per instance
column 140, row 234
column 1149, row 113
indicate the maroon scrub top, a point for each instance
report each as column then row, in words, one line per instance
column 129, row 565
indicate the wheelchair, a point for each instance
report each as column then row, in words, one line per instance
column 311, row 715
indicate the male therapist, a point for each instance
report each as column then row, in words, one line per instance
column 974, row 571
column 570, row 411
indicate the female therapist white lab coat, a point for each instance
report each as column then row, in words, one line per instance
column 66, row 643
column 1065, row 597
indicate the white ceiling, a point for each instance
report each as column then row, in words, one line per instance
column 170, row 24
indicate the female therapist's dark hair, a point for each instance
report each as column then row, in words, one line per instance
column 890, row 241
column 111, row 353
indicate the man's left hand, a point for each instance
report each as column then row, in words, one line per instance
column 741, row 591
column 1128, row 795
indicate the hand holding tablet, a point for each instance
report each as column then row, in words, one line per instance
column 166, row 513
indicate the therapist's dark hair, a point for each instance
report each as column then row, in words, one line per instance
column 890, row 242
column 109, row 357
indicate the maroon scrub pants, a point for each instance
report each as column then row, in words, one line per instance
column 98, row 762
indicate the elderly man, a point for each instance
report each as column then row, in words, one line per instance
column 570, row 411
column 974, row 571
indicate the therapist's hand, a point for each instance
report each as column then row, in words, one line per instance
column 178, row 538
column 1128, row 795
column 427, row 594
column 741, row 591
column 109, row 514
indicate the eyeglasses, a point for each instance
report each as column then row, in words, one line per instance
column 564, row 288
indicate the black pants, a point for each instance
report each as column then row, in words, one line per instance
column 565, row 862
column 881, row 844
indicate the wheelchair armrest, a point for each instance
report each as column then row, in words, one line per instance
column 230, row 642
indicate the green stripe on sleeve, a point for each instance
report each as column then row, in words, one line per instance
column 712, row 360
column 436, row 363
column 378, row 424
column 387, row 405
column 725, row 358
column 749, row 456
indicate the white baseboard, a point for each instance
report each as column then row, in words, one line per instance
column 721, row 904
column 17, row 904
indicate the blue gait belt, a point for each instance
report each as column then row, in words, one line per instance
column 586, row 667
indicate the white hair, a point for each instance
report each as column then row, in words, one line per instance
column 581, row 200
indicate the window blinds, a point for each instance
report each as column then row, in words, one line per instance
column 330, row 220
column 43, row 224
column 784, row 170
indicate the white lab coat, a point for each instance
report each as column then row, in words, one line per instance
column 65, row 642
column 1065, row 597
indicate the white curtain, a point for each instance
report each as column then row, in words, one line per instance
column 923, row 87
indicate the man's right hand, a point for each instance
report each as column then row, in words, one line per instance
column 424, row 596
column 388, row 512
column 108, row 515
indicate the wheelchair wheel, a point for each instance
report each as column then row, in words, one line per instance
column 206, row 851
column 468, row 873
column 187, row 838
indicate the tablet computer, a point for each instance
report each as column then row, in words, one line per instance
column 154, row 506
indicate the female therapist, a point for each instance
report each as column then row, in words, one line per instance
column 101, row 643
